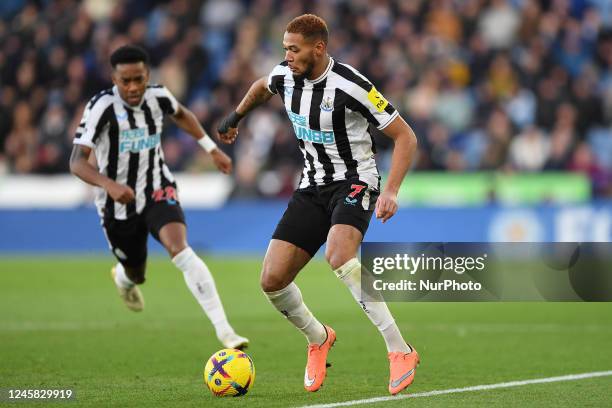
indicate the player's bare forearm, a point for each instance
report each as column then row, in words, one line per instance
column 403, row 153
column 401, row 160
column 186, row 120
column 82, row 168
column 257, row 94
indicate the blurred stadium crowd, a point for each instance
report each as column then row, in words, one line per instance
column 509, row 85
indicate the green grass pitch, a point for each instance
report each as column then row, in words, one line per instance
column 62, row 325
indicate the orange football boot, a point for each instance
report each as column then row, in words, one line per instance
column 402, row 367
column 316, row 368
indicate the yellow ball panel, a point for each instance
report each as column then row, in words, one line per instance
column 229, row 372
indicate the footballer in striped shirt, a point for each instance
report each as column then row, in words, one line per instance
column 136, row 194
column 330, row 106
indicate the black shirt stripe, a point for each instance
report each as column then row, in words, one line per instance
column 389, row 109
column 133, row 163
column 151, row 152
column 296, row 97
column 315, row 124
column 113, row 158
column 164, row 181
column 149, row 187
column 349, row 75
column 149, row 119
column 342, row 141
column 281, row 90
column 296, row 101
column 165, row 105
column 308, row 165
column 107, row 115
column 275, row 82
column 131, row 118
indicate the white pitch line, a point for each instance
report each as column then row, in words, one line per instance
column 570, row 377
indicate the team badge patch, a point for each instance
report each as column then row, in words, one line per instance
column 379, row 101
column 327, row 105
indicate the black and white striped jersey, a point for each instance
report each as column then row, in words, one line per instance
column 127, row 143
column 331, row 117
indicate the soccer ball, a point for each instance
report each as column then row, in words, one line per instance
column 229, row 372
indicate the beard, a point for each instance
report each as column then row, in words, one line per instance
column 307, row 72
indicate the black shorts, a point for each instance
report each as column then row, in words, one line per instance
column 312, row 211
column 128, row 238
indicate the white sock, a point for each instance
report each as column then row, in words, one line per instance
column 377, row 312
column 289, row 302
column 202, row 286
column 121, row 278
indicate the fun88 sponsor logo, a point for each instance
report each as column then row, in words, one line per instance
column 302, row 131
column 135, row 140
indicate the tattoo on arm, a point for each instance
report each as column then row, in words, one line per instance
column 257, row 95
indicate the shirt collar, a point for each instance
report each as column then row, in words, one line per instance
column 330, row 64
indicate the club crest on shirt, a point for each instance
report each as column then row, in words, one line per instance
column 328, row 104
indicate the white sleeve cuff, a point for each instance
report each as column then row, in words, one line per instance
column 207, row 143
column 84, row 142
column 391, row 118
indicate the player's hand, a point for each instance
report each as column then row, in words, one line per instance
column 228, row 137
column 222, row 161
column 386, row 206
column 121, row 193
column 228, row 128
